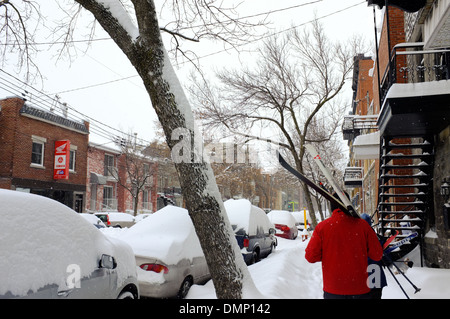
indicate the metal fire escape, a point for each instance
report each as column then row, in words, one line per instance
column 406, row 188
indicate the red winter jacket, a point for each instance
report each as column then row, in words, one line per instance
column 343, row 243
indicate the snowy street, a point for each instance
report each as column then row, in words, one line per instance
column 286, row 274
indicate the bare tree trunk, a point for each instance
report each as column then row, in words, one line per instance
column 148, row 56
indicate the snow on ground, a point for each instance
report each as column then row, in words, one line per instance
column 285, row 274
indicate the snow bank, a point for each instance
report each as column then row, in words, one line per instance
column 284, row 274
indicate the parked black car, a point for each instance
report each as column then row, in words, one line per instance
column 254, row 232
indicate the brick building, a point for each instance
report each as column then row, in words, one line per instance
column 27, row 152
column 411, row 94
column 109, row 184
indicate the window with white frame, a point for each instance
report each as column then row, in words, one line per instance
column 37, row 150
column 72, row 160
column 147, row 202
column 109, row 165
column 109, row 202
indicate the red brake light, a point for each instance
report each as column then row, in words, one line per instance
column 155, row 267
column 285, row 228
column 246, row 242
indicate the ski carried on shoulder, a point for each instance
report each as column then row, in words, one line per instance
column 313, row 185
column 390, row 239
column 325, row 171
column 399, row 243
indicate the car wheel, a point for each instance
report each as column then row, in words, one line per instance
column 255, row 256
column 272, row 247
column 184, row 289
column 125, row 295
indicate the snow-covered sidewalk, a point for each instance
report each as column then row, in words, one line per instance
column 285, row 274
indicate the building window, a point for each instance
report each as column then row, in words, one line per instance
column 72, row 161
column 146, row 200
column 37, row 153
column 109, row 202
column 109, row 165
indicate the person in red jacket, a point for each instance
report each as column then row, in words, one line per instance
column 343, row 243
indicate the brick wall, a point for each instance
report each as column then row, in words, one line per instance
column 397, row 35
column 16, row 132
column 96, row 160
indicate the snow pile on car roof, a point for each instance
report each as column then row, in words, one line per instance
column 40, row 238
column 281, row 217
column 27, row 261
column 246, row 216
column 167, row 235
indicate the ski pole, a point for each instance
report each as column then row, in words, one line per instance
column 407, row 297
column 402, row 273
column 414, row 286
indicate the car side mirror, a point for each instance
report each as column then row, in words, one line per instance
column 272, row 231
column 107, row 262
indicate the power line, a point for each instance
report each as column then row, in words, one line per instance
column 225, row 50
column 49, row 103
column 105, row 130
column 267, row 13
column 282, row 31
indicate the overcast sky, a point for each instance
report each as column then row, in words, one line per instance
column 101, row 84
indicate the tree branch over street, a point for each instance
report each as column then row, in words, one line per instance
column 293, row 85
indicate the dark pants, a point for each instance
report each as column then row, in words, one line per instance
column 327, row 295
column 376, row 293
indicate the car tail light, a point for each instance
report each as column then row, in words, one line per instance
column 246, row 242
column 155, row 267
column 285, row 228
column 108, row 223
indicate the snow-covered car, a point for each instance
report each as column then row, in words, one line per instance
column 253, row 230
column 48, row 251
column 299, row 217
column 116, row 219
column 168, row 254
column 284, row 223
column 94, row 220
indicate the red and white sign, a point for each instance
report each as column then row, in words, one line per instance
column 62, row 157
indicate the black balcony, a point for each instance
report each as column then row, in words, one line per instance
column 415, row 91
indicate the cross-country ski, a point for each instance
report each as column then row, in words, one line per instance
column 326, row 172
column 311, row 184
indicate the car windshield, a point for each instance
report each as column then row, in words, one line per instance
column 240, row 231
column 103, row 218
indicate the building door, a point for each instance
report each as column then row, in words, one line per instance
column 79, row 201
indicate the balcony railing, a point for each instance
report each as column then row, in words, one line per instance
column 354, row 124
column 411, row 64
column 353, row 177
column 109, row 204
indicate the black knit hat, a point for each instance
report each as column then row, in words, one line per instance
column 335, row 205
